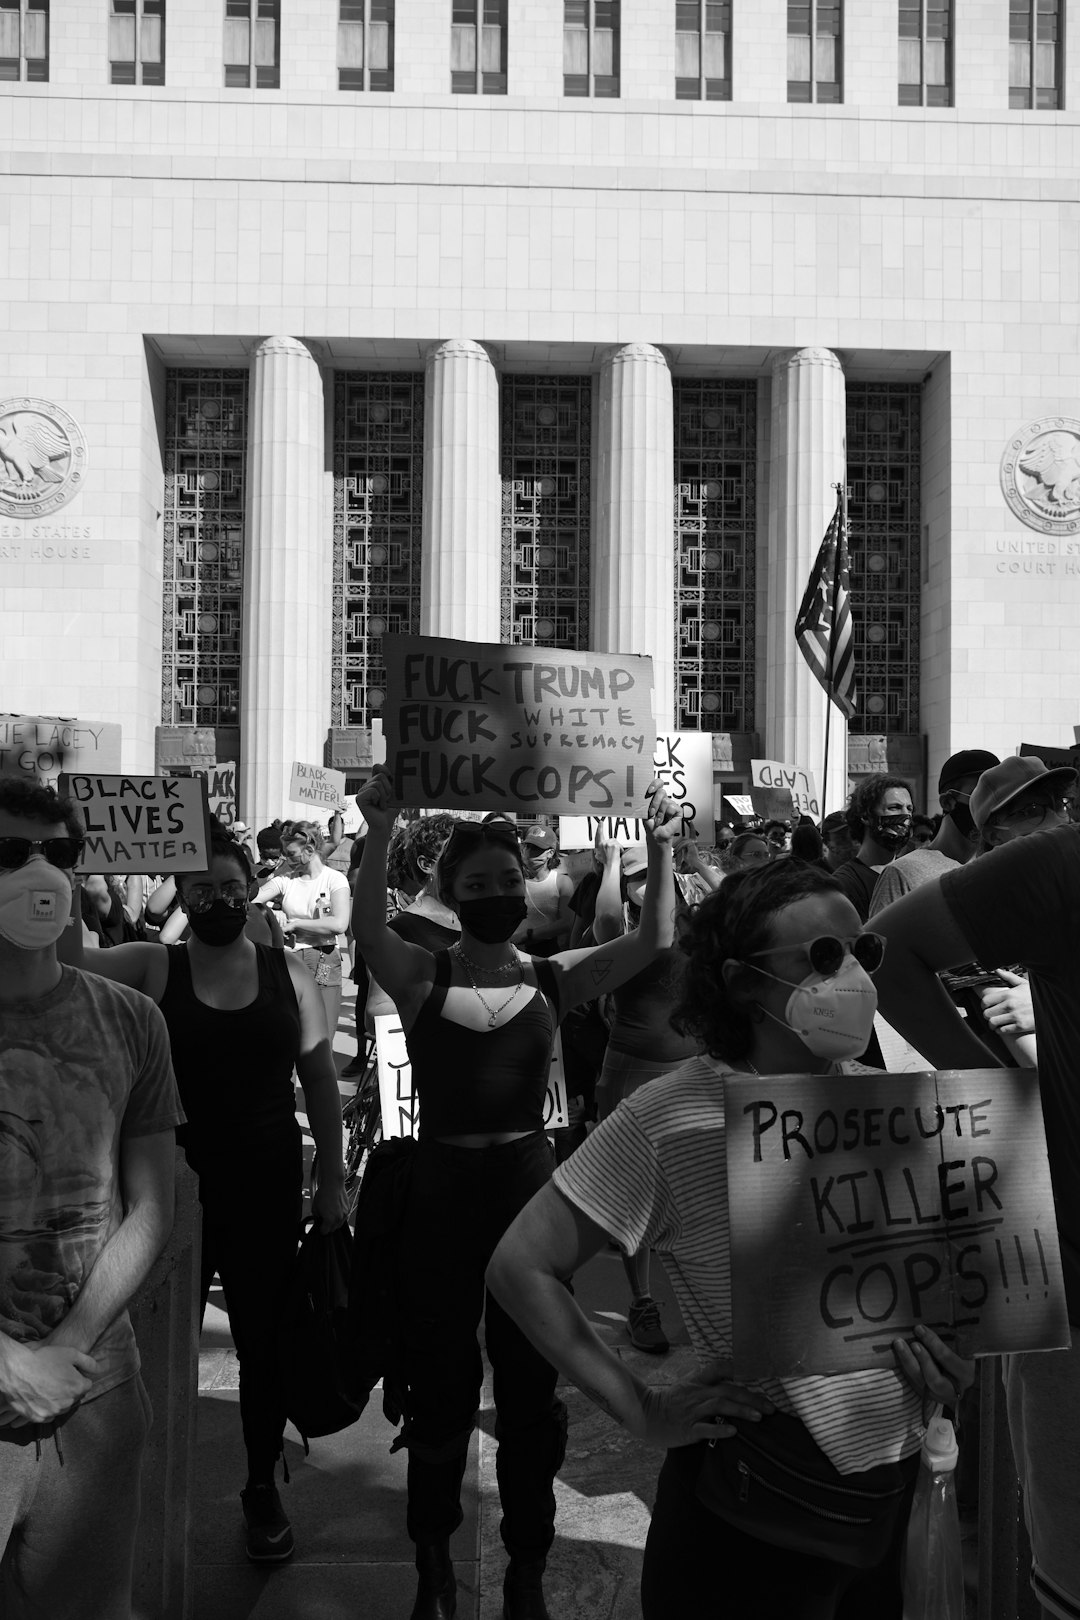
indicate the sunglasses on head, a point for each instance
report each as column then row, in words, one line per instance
column 487, row 829
column 61, row 852
column 826, row 953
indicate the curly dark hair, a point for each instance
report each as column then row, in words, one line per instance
column 424, row 840
column 34, row 801
column 866, row 798
column 466, row 839
column 734, row 922
column 222, row 842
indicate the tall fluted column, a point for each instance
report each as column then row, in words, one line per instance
column 633, row 571
column 808, row 460
column 285, row 687
column 462, row 550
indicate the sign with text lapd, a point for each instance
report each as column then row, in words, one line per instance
column 472, row 725
column 317, row 785
column 802, row 785
column 683, row 763
column 400, row 1110
column 142, row 823
column 863, row 1204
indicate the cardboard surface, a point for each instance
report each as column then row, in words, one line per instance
column 477, row 726
column 400, row 1115
column 683, row 762
column 41, row 746
column 142, row 823
column 317, row 786
column 863, row 1204
column 802, row 785
column 221, row 791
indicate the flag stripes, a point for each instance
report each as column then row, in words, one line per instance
column 823, row 626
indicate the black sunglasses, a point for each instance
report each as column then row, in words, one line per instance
column 827, row 953
column 61, row 852
column 487, row 829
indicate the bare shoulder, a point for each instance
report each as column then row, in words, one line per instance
column 141, row 966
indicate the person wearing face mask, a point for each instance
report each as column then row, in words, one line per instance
column 879, row 814
column 314, row 910
column 548, row 892
column 88, row 1108
column 778, row 980
column 956, row 839
column 241, row 1017
column 480, row 1020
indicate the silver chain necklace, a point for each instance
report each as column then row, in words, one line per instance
column 493, row 1012
column 475, row 967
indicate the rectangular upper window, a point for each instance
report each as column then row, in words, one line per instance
column 815, row 50
column 925, row 60
column 478, row 47
column 137, row 41
column 365, row 53
column 1035, row 50
column 253, row 44
column 591, row 47
column 24, row 40
column 703, row 50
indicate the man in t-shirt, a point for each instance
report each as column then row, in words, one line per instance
column 879, row 815
column 88, row 1107
column 1020, row 903
column 954, row 843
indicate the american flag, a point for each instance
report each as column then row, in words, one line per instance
column 823, row 627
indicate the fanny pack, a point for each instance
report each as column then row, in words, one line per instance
column 772, row 1481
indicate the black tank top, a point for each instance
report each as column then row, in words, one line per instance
column 471, row 1081
column 233, row 1065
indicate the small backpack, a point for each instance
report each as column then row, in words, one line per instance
column 311, row 1336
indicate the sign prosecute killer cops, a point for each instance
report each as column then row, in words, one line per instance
column 863, row 1204
column 473, row 725
column 142, row 823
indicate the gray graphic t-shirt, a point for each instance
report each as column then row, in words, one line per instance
column 80, row 1069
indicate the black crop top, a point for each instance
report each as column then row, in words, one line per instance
column 471, row 1081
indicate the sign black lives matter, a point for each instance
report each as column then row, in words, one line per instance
column 474, row 725
column 863, row 1204
column 142, row 823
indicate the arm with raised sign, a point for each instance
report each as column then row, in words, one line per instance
column 404, row 971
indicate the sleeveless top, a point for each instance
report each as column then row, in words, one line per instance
column 542, row 896
column 233, row 1066
column 643, row 1009
column 471, row 1081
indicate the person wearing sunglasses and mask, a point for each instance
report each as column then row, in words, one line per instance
column 778, row 980
column 241, row 1017
column 480, row 1020
column 956, row 838
column 88, row 1107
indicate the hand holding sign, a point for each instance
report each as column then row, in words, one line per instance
column 375, row 801
column 663, row 818
column 696, row 1408
column 931, row 1368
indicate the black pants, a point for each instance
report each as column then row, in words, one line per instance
column 696, row 1563
column 461, row 1202
column 251, row 1227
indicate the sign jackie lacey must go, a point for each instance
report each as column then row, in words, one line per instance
column 863, row 1204
column 472, row 725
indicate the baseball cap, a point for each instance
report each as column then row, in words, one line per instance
column 634, row 861
column 1005, row 782
column 969, row 762
column 540, row 837
column 240, row 827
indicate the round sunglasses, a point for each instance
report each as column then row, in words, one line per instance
column 61, row 852
column 826, row 953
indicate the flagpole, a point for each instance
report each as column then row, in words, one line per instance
column 841, row 491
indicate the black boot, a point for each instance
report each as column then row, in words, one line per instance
column 436, row 1592
column 523, row 1591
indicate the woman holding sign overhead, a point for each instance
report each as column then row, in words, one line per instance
column 787, row 1496
column 480, row 1020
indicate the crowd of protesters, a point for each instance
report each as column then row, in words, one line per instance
column 206, row 996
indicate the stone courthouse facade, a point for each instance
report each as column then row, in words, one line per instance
column 552, row 321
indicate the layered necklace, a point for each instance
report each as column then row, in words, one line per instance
column 473, row 968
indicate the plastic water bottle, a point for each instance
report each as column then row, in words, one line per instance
column 933, row 1565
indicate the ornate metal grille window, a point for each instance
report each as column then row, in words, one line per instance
column 205, row 459
column 884, row 472
column 378, row 488
column 546, row 451
column 715, row 501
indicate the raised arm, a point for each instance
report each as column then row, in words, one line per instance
column 608, row 922
column 318, row 1078
column 399, row 967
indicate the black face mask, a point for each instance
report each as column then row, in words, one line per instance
column 492, row 919
column 891, row 831
column 220, row 924
column 961, row 818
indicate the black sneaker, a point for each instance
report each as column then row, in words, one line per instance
column 646, row 1332
column 269, row 1533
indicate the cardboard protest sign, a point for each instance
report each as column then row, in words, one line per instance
column 473, row 725
column 802, row 785
column 683, row 762
column 739, row 804
column 863, row 1204
column 401, row 1113
column 142, row 823
column 317, row 785
column 221, row 791
column 41, row 747
column 772, row 803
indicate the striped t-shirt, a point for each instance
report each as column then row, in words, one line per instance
column 655, row 1173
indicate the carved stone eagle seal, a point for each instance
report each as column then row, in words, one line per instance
column 1040, row 475
column 42, row 457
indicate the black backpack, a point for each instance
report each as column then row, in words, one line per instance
column 311, row 1339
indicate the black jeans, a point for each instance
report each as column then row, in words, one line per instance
column 697, row 1563
column 250, row 1232
column 461, row 1202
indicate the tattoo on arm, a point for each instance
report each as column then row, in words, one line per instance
column 600, row 970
